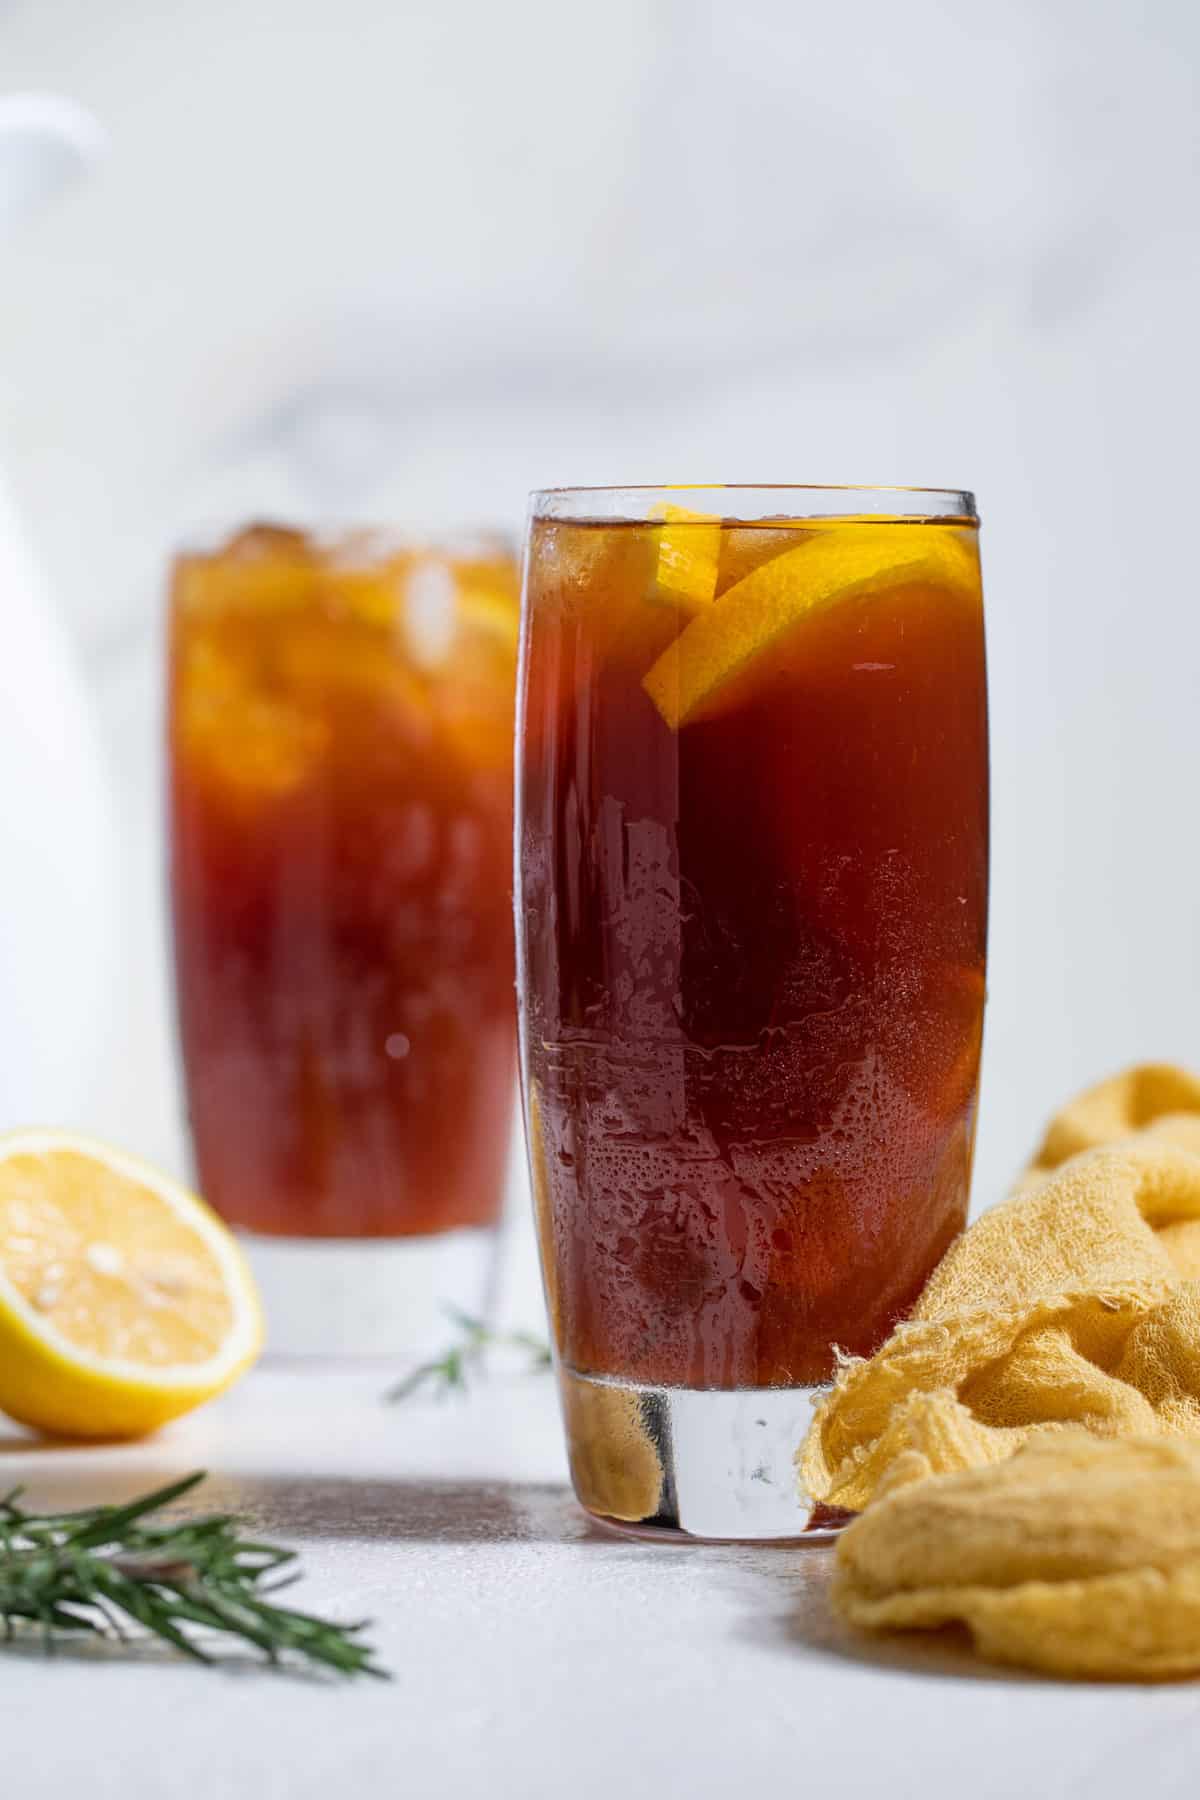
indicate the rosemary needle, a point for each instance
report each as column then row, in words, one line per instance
column 110, row 1572
column 450, row 1372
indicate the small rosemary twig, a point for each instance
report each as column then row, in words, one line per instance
column 450, row 1372
column 96, row 1572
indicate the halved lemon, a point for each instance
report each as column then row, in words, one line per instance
column 124, row 1301
column 689, row 555
column 828, row 567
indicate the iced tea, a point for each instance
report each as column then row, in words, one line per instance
column 341, row 813
column 753, row 845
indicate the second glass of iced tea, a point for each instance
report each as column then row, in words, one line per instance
column 752, row 841
column 341, row 818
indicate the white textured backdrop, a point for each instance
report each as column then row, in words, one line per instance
column 411, row 260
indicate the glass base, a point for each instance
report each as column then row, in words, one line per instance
column 371, row 1296
column 704, row 1465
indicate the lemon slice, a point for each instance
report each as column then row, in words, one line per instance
column 492, row 612
column 689, row 555
column 258, row 745
column 756, row 611
column 123, row 1299
column 372, row 596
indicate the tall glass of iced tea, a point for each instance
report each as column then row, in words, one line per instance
column 752, row 840
column 341, row 818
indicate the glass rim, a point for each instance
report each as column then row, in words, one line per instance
column 631, row 504
column 363, row 541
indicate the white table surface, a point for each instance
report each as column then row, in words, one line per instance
column 533, row 1656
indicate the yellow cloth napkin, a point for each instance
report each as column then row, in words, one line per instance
column 1076, row 1302
column 1078, row 1556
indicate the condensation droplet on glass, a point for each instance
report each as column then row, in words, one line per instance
column 397, row 1046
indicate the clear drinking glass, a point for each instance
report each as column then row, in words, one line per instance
column 752, row 845
column 341, row 817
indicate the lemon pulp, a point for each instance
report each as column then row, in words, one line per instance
column 124, row 1300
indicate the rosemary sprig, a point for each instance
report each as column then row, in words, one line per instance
column 451, row 1371
column 97, row 1572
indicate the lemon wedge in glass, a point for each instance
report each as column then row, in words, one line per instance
column 124, row 1301
column 256, row 742
column 492, row 611
column 828, row 567
column 689, row 554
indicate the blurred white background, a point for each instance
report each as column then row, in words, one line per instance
column 410, row 260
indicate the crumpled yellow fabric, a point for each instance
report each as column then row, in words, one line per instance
column 1075, row 1302
column 1078, row 1556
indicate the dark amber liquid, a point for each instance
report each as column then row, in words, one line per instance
column 341, row 821
column 752, row 956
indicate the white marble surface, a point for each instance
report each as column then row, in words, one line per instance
column 533, row 1656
